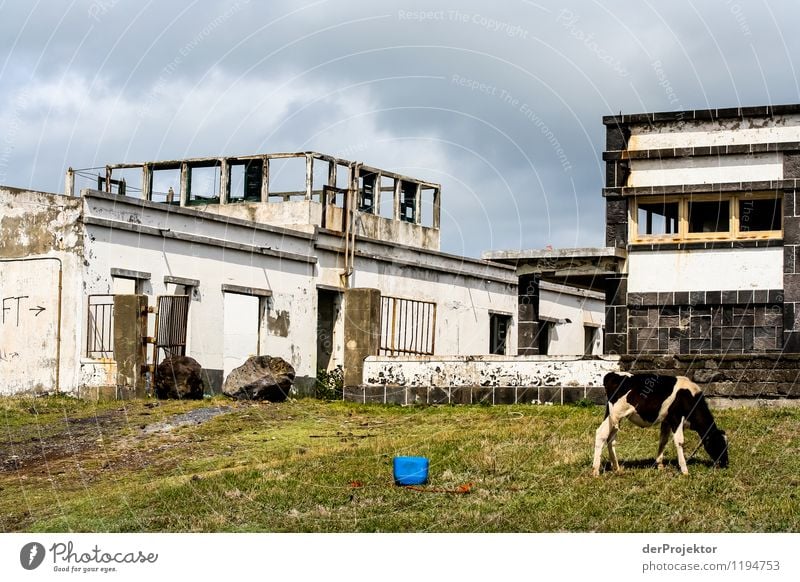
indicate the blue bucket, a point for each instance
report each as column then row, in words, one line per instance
column 410, row 470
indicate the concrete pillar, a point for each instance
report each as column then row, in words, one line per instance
column 528, row 315
column 615, row 340
column 362, row 331
column 130, row 349
column 791, row 273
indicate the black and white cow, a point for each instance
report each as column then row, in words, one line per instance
column 648, row 399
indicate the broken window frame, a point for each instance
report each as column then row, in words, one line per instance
column 705, row 201
column 409, row 201
column 191, row 198
column 499, row 332
column 740, row 219
column 663, row 202
column 368, row 193
column 256, row 181
column 734, row 231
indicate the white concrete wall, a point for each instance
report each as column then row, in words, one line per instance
column 462, row 303
column 706, row 170
column 444, row 372
column 463, row 295
column 783, row 128
column 573, row 310
column 289, row 283
column 40, row 291
column 98, row 233
column 701, row 270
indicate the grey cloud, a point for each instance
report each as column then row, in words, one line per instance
column 502, row 104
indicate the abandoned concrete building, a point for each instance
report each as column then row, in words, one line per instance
column 315, row 259
column 327, row 262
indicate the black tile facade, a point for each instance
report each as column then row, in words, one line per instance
column 711, row 322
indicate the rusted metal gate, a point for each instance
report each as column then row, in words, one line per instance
column 100, row 326
column 172, row 317
column 408, row 327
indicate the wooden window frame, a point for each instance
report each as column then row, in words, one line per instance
column 633, row 220
column 733, row 233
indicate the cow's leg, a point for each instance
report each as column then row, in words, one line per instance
column 678, row 438
column 662, row 444
column 612, row 451
column 600, row 439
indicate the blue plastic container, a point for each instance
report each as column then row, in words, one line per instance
column 410, row 470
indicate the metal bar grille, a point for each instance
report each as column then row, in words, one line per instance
column 172, row 319
column 408, row 327
column 100, row 327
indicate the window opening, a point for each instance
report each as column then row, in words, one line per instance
column 711, row 216
column 408, row 201
column 499, row 325
column 366, row 192
column 760, row 214
column 658, row 219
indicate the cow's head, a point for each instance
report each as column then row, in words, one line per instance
column 716, row 445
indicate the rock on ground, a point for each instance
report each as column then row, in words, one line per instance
column 179, row 377
column 260, row 378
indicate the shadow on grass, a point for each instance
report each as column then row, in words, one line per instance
column 651, row 464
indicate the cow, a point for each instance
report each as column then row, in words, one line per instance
column 648, row 399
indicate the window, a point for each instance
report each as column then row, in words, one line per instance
column 499, row 324
column 760, row 214
column 750, row 215
column 245, row 181
column 408, row 202
column 543, row 339
column 591, row 336
column 366, row 193
column 709, row 216
column 408, row 327
column 127, row 282
column 100, row 326
column 659, row 218
column 203, row 184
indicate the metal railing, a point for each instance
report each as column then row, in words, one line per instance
column 100, row 327
column 408, row 327
column 171, row 324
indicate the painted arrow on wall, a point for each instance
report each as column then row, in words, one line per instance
column 38, row 309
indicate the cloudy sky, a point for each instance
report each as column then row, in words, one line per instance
column 501, row 102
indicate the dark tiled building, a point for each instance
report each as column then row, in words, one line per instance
column 704, row 203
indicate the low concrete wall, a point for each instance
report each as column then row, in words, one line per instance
column 482, row 379
column 764, row 376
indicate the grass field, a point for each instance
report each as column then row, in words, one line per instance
column 314, row 466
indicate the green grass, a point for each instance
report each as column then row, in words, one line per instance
column 313, row 466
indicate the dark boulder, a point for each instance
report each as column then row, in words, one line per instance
column 260, row 378
column 179, row 377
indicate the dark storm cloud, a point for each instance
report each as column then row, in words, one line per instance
column 502, row 104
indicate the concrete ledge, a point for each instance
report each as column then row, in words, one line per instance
column 494, row 395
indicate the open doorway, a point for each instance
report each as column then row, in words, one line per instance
column 329, row 304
